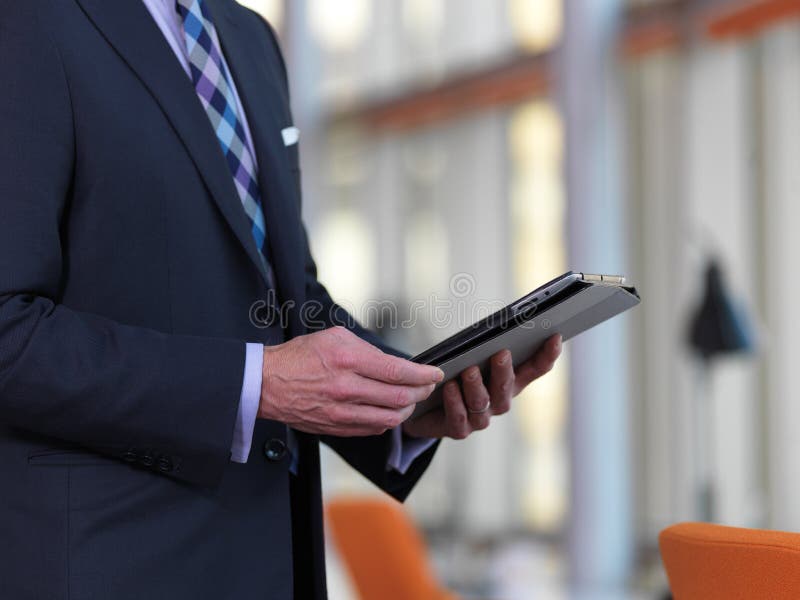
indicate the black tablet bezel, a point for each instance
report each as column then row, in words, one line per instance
column 518, row 312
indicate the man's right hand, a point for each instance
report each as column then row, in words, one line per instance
column 334, row 383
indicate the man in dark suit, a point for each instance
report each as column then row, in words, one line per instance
column 149, row 199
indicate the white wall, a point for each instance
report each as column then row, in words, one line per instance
column 781, row 114
column 693, row 160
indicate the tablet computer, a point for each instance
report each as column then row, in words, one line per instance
column 567, row 305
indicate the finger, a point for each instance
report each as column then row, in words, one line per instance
column 541, row 363
column 501, row 384
column 369, row 419
column 343, row 420
column 457, row 422
column 476, row 398
column 362, row 390
column 392, row 369
column 430, row 425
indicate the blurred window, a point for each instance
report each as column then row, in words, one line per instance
column 344, row 241
column 424, row 19
column 346, row 257
column 339, row 25
column 538, row 252
column 536, row 24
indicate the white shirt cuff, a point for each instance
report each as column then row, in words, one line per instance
column 248, row 403
column 405, row 450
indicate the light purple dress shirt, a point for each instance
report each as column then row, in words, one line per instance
column 404, row 450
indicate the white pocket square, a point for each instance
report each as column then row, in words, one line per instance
column 291, row 135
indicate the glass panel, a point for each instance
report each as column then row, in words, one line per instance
column 346, row 258
column 537, row 217
column 536, row 23
column 339, row 25
column 424, row 19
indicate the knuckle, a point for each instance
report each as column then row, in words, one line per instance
column 337, row 414
column 345, row 359
column 460, row 433
column 403, row 398
column 338, row 333
column 418, row 395
column 392, row 421
column 481, row 423
column 342, row 389
column 394, row 371
column 502, row 407
column 451, row 390
column 479, row 400
column 459, row 427
column 336, row 390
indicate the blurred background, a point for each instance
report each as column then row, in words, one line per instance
column 512, row 140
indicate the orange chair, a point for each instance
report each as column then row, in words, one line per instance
column 383, row 551
column 712, row 562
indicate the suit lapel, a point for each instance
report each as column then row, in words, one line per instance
column 128, row 27
column 264, row 103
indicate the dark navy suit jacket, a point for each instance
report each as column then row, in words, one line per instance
column 127, row 275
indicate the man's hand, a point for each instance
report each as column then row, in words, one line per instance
column 334, row 383
column 471, row 409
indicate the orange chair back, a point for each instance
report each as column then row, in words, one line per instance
column 382, row 550
column 712, row 562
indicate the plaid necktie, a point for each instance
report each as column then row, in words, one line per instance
column 211, row 81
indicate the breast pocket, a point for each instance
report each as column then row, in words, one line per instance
column 291, row 139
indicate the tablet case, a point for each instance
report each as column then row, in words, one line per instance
column 575, row 314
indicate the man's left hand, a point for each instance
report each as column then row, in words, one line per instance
column 471, row 406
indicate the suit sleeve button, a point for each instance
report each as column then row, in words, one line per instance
column 165, row 464
column 274, row 450
column 130, row 456
column 147, row 460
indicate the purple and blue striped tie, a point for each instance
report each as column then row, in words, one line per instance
column 212, row 83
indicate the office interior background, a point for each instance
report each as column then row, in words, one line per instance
column 507, row 141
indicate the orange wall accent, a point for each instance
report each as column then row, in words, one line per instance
column 647, row 29
column 748, row 18
column 522, row 78
column 644, row 39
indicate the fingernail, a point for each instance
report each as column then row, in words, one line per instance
column 473, row 374
column 438, row 375
column 504, row 358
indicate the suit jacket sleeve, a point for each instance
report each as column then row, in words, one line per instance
column 369, row 455
column 70, row 375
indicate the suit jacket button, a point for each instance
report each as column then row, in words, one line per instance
column 274, row 450
column 147, row 460
column 165, row 464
